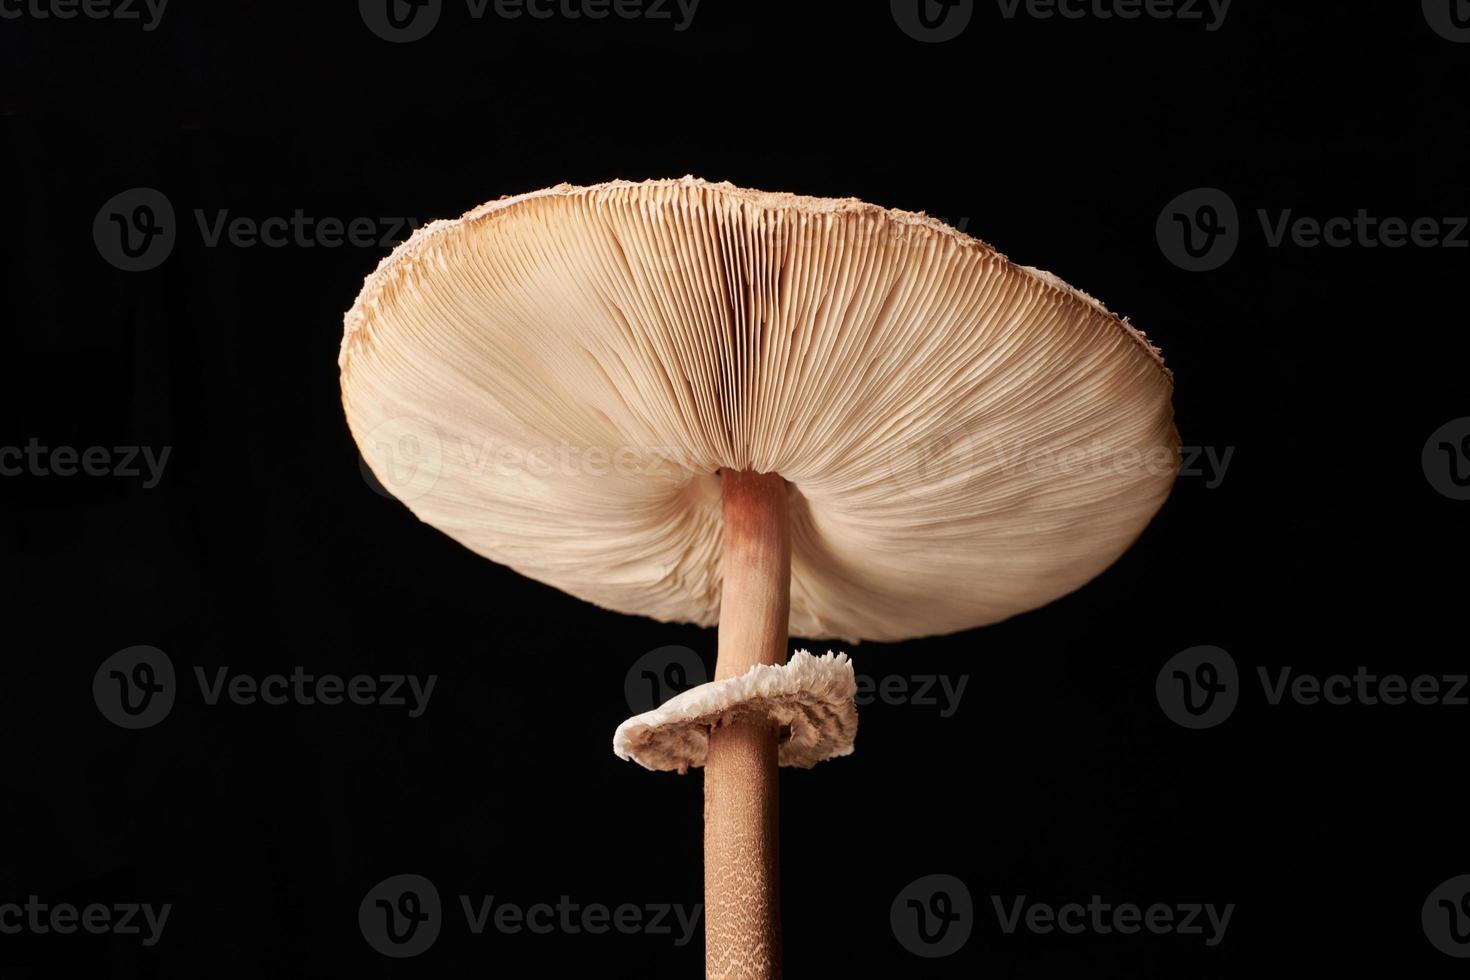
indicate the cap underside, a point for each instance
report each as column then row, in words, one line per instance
column 555, row 380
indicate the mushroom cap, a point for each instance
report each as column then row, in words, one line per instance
column 556, row 379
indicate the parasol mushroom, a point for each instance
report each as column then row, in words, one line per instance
column 785, row 415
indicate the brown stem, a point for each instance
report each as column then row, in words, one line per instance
column 741, row 833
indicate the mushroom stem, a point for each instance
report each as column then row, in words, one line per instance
column 741, row 831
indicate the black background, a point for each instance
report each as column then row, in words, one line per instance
column 263, row 548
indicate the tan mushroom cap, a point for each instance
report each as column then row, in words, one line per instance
column 556, row 379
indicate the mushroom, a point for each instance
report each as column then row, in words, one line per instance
column 785, row 415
